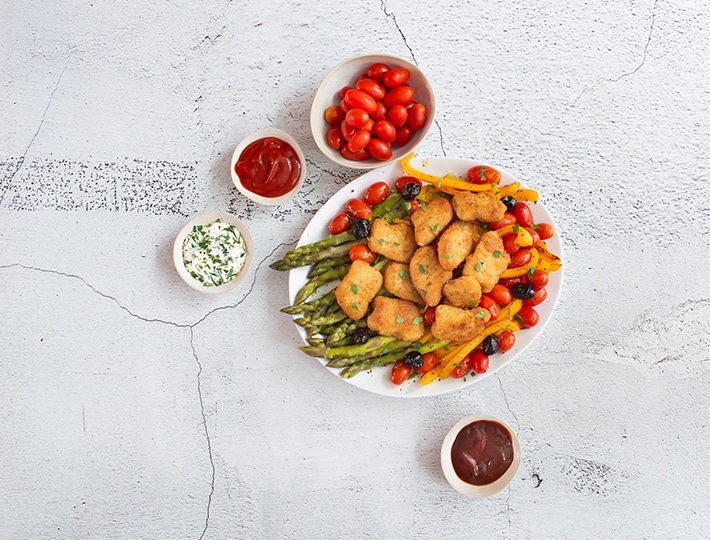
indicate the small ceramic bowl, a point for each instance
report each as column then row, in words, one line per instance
column 206, row 219
column 260, row 134
column 465, row 488
column 346, row 74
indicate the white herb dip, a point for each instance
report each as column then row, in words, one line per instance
column 214, row 253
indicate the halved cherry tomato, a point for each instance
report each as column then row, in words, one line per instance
column 399, row 95
column 340, row 223
column 359, row 140
column 510, row 243
column 520, row 258
column 545, row 231
column 379, row 149
column 395, row 77
column 508, row 219
column 416, row 116
column 404, row 180
column 358, row 99
column 539, row 298
column 479, row 361
column 523, row 214
column 362, row 155
column 357, row 208
column 377, row 71
column 506, row 340
column 376, row 193
column 397, row 115
column 371, row 87
column 334, row 115
column 385, row 130
column 500, row 294
column 430, row 362
column 481, row 174
column 404, row 134
column 357, row 118
column 335, row 138
column 527, row 317
column 486, row 302
column 361, row 252
column 400, row 372
column 538, row 279
column 430, row 315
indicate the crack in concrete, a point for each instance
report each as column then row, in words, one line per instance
column 392, row 16
column 507, row 403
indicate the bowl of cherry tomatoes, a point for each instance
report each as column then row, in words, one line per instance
column 372, row 110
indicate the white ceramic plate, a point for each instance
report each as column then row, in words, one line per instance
column 378, row 380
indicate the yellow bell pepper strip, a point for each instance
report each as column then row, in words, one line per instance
column 548, row 261
column 509, row 311
column 526, row 194
column 522, row 270
column 441, row 181
column 507, row 190
column 430, row 376
column 524, row 238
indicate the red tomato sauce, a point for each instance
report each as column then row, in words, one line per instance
column 482, row 452
column 268, row 167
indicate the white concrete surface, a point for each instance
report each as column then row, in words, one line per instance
column 133, row 407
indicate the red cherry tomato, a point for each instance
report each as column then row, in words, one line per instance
column 403, row 181
column 400, row 372
column 416, row 116
column 357, row 209
column 460, row 369
column 500, row 294
column 430, row 315
column 385, row 130
column 506, row 340
column 430, row 362
column 357, row 118
column 510, row 243
column 527, row 317
column 508, row 219
column 380, row 113
column 397, row 115
column 345, row 106
column 357, row 99
column 335, row 138
column 486, row 302
column 479, row 361
column 539, row 298
column 370, row 126
column 414, row 205
column 399, row 95
column 509, row 282
column 347, row 130
column 520, row 258
column 359, row 140
column 334, row 115
column 343, row 91
column 371, row 87
column 362, row 155
column 379, row 149
column 538, row 279
column 534, row 235
column 545, row 231
column 395, row 77
column 404, row 134
column 481, row 174
column 340, row 223
column 361, row 252
column 377, row 71
column 376, row 193
column 523, row 214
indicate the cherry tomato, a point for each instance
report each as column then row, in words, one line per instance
column 385, row 130
column 479, row 361
column 403, row 181
column 486, row 302
column 414, row 205
column 343, row 91
column 357, row 99
column 376, row 193
column 400, row 372
column 534, row 235
column 340, row 223
column 460, row 369
column 500, row 294
column 345, row 106
column 334, row 115
column 520, row 258
column 380, row 113
column 509, row 282
column 377, row 71
column 357, row 118
column 539, row 298
column 508, row 219
column 430, row 362
column 371, row 87
column 545, row 231
column 395, row 77
column 347, row 130
column 362, row 155
column 357, row 209
column 404, row 134
column 538, row 279
column 523, row 214
column 510, row 243
column 370, row 126
column 379, row 149
column 430, row 315
column 361, row 252
column 359, row 140
column 527, row 317
column 482, row 174
column 335, row 138
column 416, row 116
column 397, row 115
column 399, row 95
column 506, row 340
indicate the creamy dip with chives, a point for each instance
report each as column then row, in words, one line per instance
column 214, row 253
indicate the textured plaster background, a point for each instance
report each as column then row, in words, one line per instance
column 131, row 407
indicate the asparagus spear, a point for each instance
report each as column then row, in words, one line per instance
column 312, row 285
column 310, row 258
column 326, row 264
column 389, row 358
column 313, row 306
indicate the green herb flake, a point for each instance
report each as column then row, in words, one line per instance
column 417, row 320
column 496, row 254
column 404, row 274
column 534, row 226
column 435, row 227
column 480, row 315
column 381, row 241
column 355, row 289
column 422, row 269
column 399, row 319
column 516, row 228
column 478, row 266
column 354, row 306
column 447, row 256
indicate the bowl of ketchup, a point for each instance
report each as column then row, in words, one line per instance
column 268, row 166
column 480, row 456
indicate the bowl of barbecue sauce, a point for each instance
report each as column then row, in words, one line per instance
column 480, row 456
column 268, row 166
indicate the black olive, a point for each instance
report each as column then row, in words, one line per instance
column 509, row 203
column 411, row 190
column 414, row 359
column 524, row 291
column 361, row 336
column 490, row 344
column 361, row 228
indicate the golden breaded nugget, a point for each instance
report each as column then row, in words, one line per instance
column 483, row 206
column 463, row 292
column 428, row 275
column 430, row 219
column 458, row 325
column 396, row 318
column 358, row 287
column 456, row 243
column 398, row 282
column 395, row 242
column 488, row 260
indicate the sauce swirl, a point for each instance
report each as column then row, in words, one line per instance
column 482, row 452
column 268, row 167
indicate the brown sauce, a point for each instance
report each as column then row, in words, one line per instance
column 482, row 452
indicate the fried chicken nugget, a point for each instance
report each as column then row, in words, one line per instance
column 455, row 244
column 395, row 241
column 428, row 275
column 358, row 288
column 488, row 260
column 463, row 292
column 396, row 318
column 430, row 219
column 459, row 325
column 397, row 281
column 483, row 206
